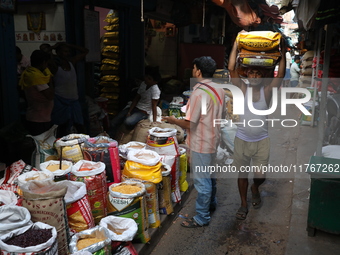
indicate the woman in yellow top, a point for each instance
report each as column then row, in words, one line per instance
column 36, row 83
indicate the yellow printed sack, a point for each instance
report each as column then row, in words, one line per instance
column 183, row 166
column 258, row 58
column 147, row 173
column 111, row 35
column 258, row 40
column 110, row 61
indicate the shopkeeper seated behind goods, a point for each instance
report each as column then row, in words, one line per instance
column 144, row 104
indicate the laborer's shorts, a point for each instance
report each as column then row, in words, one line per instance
column 252, row 154
column 294, row 84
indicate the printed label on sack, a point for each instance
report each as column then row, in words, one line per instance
column 258, row 62
column 120, row 203
column 71, row 152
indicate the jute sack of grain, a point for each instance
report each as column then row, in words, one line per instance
column 141, row 130
column 45, row 202
column 39, row 176
column 164, row 142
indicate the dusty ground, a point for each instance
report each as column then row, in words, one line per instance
column 265, row 231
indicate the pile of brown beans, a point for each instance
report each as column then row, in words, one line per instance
column 31, row 237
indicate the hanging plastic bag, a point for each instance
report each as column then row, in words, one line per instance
column 228, row 133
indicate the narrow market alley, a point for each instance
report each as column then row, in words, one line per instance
column 278, row 227
column 110, row 108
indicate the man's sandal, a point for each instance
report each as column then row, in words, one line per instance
column 256, row 200
column 242, row 213
column 191, row 223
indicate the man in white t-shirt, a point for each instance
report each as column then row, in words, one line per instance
column 144, row 104
column 295, row 72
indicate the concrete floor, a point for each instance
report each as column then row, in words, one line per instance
column 278, row 227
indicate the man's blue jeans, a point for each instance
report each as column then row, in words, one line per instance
column 204, row 184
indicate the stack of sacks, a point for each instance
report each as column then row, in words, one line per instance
column 111, row 63
column 306, row 72
column 258, row 49
column 333, row 73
